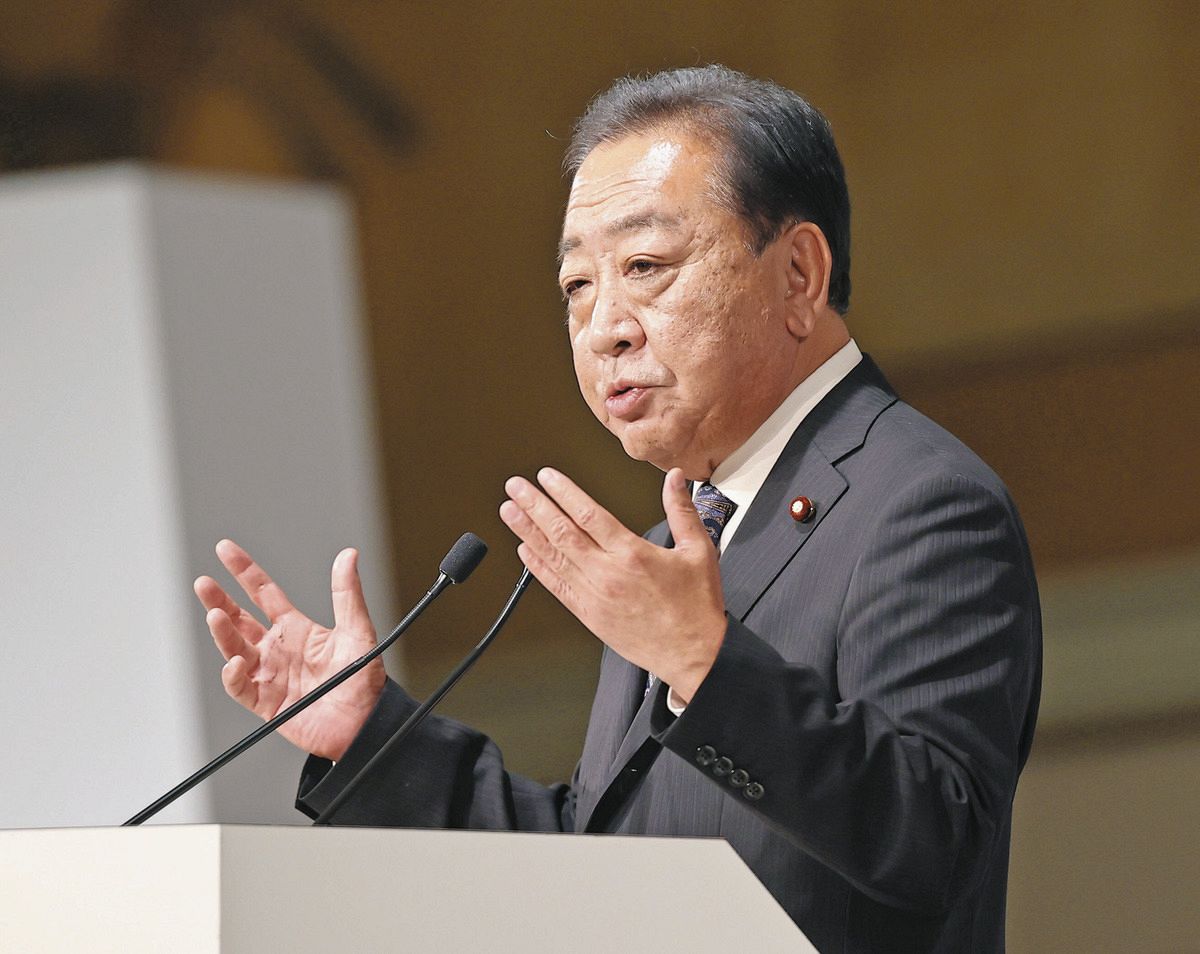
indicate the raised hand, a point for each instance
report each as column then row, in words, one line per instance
column 661, row 609
column 267, row 669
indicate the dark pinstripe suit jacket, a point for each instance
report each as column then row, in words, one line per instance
column 859, row 738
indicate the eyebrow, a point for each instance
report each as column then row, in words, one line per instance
column 637, row 222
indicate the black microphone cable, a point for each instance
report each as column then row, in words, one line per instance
column 414, row 720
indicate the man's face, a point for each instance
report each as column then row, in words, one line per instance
column 677, row 328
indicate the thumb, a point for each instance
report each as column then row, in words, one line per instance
column 349, row 607
column 682, row 518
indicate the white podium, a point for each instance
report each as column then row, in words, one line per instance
column 212, row 889
column 180, row 360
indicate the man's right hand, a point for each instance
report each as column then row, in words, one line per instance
column 267, row 669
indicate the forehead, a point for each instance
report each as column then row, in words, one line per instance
column 636, row 182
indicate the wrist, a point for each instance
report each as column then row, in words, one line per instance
column 687, row 679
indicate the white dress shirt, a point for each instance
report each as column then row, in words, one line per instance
column 741, row 475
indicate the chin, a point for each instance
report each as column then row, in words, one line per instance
column 661, row 455
column 646, row 439
column 639, row 445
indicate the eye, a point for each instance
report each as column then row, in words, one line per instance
column 570, row 288
column 641, row 266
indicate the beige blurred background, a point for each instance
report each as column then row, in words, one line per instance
column 1026, row 221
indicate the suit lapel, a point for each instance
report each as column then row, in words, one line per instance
column 621, row 691
column 618, row 695
column 769, row 537
column 767, row 540
column 639, row 731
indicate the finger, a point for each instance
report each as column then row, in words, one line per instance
column 559, row 531
column 264, row 592
column 229, row 641
column 238, row 684
column 554, row 583
column 686, row 527
column 213, row 596
column 520, row 523
column 600, row 525
column 349, row 607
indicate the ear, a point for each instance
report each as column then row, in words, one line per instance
column 808, row 272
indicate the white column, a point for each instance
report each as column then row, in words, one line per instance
column 180, row 360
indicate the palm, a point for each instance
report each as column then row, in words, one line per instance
column 268, row 669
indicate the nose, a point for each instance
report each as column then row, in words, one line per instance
column 613, row 327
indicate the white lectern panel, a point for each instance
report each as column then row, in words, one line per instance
column 180, row 360
column 246, row 890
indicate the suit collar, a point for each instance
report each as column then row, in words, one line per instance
column 839, row 424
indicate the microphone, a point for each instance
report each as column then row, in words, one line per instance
column 460, row 562
column 414, row 720
column 456, row 566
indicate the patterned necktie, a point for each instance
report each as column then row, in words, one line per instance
column 714, row 509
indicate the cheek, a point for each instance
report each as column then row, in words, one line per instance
column 586, row 378
column 736, row 313
column 695, row 330
column 712, row 337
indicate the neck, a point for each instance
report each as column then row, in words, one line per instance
column 828, row 337
column 826, row 340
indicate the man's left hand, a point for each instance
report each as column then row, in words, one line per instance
column 661, row 609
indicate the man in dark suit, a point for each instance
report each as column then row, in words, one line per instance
column 829, row 653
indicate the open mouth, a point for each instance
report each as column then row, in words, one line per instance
column 620, row 387
column 626, row 401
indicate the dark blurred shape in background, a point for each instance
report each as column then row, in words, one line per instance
column 161, row 49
